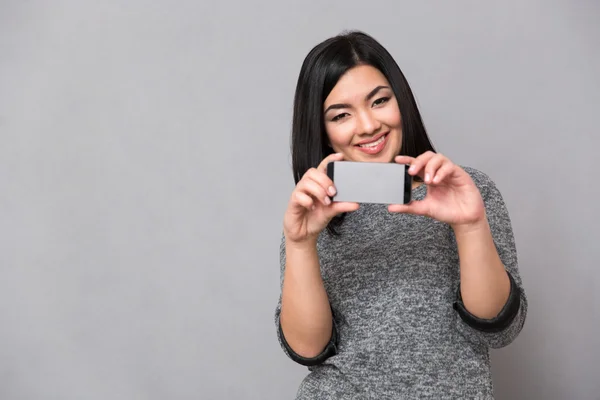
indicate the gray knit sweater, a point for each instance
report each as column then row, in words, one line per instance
column 400, row 329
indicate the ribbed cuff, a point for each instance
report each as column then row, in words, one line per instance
column 502, row 320
column 330, row 349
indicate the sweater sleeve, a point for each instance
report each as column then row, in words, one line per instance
column 506, row 326
column 331, row 347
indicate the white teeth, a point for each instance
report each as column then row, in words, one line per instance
column 373, row 144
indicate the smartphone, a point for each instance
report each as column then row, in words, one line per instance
column 370, row 182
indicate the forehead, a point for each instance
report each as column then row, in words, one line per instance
column 355, row 84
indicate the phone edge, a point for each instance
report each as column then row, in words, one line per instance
column 330, row 170
column 407, row 185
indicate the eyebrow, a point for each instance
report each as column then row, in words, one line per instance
column 368, row 97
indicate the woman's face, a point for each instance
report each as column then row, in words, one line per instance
column 362, row 118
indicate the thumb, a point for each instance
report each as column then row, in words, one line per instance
column 415, row 207
column 337, row 208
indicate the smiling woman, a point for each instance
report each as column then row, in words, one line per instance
column 363, row 127
column 360, row 87
column 384, row 303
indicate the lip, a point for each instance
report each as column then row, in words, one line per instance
column 377, row 149
column 373, row 139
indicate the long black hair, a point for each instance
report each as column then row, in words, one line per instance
column 322, row 68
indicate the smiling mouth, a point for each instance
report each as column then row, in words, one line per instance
column 374, row 144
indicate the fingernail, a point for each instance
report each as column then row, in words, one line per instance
column 327, row 201
column 331, row 190
column 426, row 177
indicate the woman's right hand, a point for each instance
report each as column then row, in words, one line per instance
column 310, row 208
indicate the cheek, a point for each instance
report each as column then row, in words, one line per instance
column 393, row 118
column 339, row 136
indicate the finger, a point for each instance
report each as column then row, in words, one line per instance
column 432, row 167
column 445, row 170
column 315, row 190
column 416, row 167
column 417, row 207
column 342, row 207
column 404, row 159
column 322, row 179
column 332, row 157
column 303, row 200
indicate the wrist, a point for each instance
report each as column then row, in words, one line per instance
column 476, row 227
column 301, row 245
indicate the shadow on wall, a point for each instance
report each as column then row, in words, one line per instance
column 540, row 364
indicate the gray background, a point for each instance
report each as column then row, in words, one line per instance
column 144, row 172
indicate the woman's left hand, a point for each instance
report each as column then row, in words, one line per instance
column 452, row 196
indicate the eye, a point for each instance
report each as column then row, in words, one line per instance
column 381, row 101
column 338, row 117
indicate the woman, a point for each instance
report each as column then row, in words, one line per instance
column 396, row 301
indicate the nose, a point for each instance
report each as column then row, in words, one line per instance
column 367, row 123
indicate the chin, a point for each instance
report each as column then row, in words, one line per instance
column 379, row 158
column 386, row 156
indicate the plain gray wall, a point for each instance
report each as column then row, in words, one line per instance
column 145, row 169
